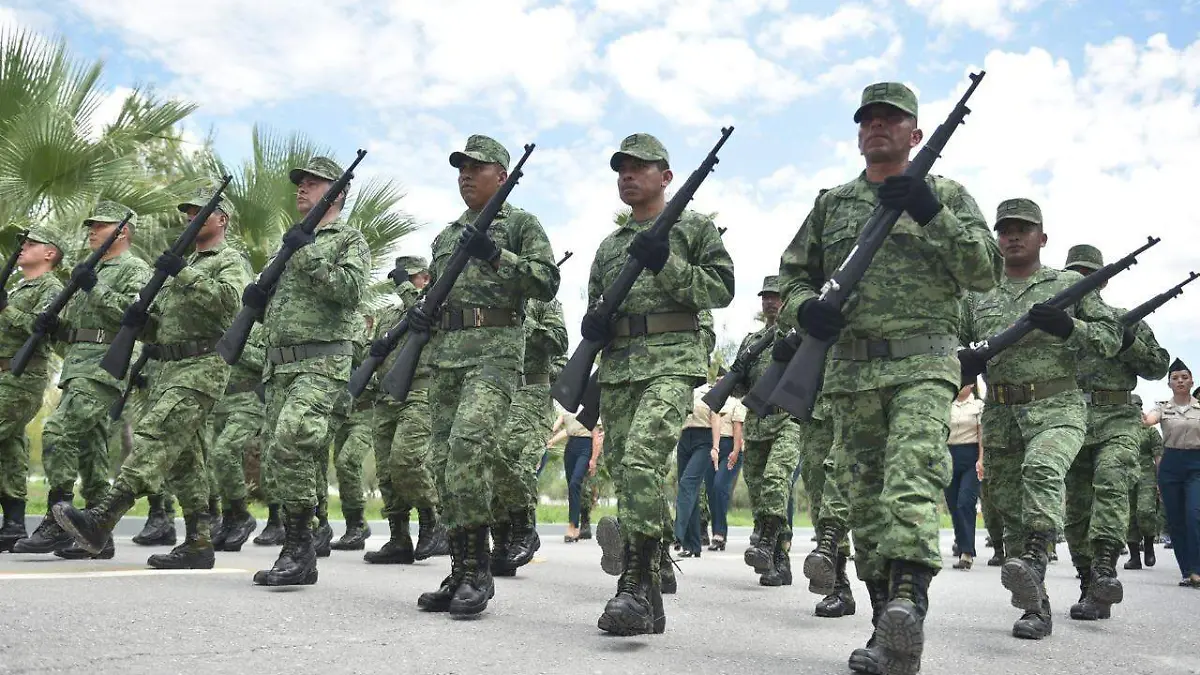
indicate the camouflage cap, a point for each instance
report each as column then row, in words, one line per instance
column 1018, row 209
column 109, row 212
column 200, row 198
column 481, row 149
column 412, row 263
column 43, row 234
column 640, row 146
column 321, row 167
column 1085, row 255
column 889, row 93
column 1136, row 400
column 770, row 285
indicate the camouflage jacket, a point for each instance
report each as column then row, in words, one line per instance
column 26, row 300
column 526, row 271
column 545, row 336
column 1144, row 358
column 698, row 275
column 199, row 304
column 249, row 369
column 1039, row 356
column 913, row 287
column 758, row 428
column 385, row 320
column 118, row 281
column 317, row 299
column 1150, row 447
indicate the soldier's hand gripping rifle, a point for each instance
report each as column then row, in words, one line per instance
column 721, row 391
column 569, row 388
column 233, row 341
column 25, row 353
column 9, row 266
column 1150, row 306
column 800, row 381
column 116, row 359
column 136, row 379
column 973, row 359
column 397, row 381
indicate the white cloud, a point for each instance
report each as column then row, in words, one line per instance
column 107, row 111
column 813, row 35
column 992, row 17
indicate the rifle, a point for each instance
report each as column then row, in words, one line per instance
column 568, row 389
column 1150, row 306
column 987, row 349
column 25, row 353
column 399, row 378
column 589, row 409
column 565, row 258
column 233, row 341
column 362, row 375
column 9, row 266
column 798, row 387
column 135, row 379
column 116, row 359
column 717, row 396
column 721, row 231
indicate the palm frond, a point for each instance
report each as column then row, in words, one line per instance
column 374, row 212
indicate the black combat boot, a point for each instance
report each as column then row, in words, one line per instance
column 841, row 602
column 432, row 539
column 220, row 532
column 901, row 627
column 47, row 537
column 820, row 566
column 476, row 586
column 997, row 558
column 761, row 556
column 273, row 532
column 780, row 571
column 1148, row 551
column 1024, row 577
column 214, row 513
column 1104, row 589
column 76, row 552
column 297, row 561
column 398, row 549
column 1035, row 624
column 869, row 659
column 754, row 533
column 92, row 529
column 357, row 532
column 1135, row 555
column 159, row 529
column 196, row 551
column 585, row 523
column 612, row 546
column 237, row 526
column 667, row 583
column 525, row 539
column 14, row 523
column 323, row 534
column 1085, row 609
column 439, row 600
column 637, row 607
column 501, row 534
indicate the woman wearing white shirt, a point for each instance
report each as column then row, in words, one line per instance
column 1179, row 470
column 966, row 449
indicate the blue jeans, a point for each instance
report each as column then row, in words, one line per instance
column 576, row 457
column 792, row 496
column 719, row 484
column 692, row 455
column 1179, row 483
column 962, row 494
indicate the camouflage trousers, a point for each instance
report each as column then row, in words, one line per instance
column 641, row 427
column 75, row 438
column 402, row 455
column 1027, row 451
column 299, row 427
column 236, row 430
column 826, row 488
column 993, row 522
column 530, row 419
column 1144, row 512
column 891, row 442
column 469, row 408
column 767, row 466
column 1097, row 487
column 351, row 445
column 20, row 405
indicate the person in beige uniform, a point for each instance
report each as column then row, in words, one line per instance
column 580, row 459
column 698, row 448
column 1179, row 470
column 966, row 452
column 721, row 476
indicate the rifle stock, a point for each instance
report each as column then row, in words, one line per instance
column 118, row 406
column 571, row 383
column 589, row 411
column 721, row 391
column 233, row 341
column 799, row 386
column 9, row 265
column 1150, row 306
column 116, row 359
column 362, row 375
column 757, row 400
column 398, row 380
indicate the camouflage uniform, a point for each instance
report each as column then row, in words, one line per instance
column 236, row 422
column 354, row 435
column 1144, row 511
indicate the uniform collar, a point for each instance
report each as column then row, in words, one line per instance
column 469, row 216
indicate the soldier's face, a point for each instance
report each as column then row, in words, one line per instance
column 309, row 192
column 420, row 280
column 1020, row 241
column 771, row 302
column 34, row 252
column 887, row 134
column 477, row 182
column 98, row 233
column 212, row 227
column 1181, row 381
column 639, row 181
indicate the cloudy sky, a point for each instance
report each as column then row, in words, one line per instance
column 1089, row 106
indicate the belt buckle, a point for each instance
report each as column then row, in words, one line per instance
column 99, row 336
column 1032, row 393
column 639, row 324
column 1000, row 397
column 878, row 349
column 290, row 351
column 478, row 316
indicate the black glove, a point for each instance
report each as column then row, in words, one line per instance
column 1127, row 339
column 170, row 263
column 296, row 238
column 84, row 277
column 971, row 365
column 651, row 251
column 912, row 195
column 139, row 381
column 478, row 245
column 135, row 316
column 1052, row 320
column 379, row 348
column 46, row 323
column 782, row 350
column 398, row 275
column 418, row 320
column 596, row 328
column 254, row 297
column 820, row 319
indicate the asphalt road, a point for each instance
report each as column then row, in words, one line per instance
column 115, row 616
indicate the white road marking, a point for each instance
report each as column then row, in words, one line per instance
column 101, row 574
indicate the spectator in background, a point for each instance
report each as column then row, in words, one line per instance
column 579, row 461
column 966, row 451
column 1179, row 470
column 699, row 446
column 720, row 478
